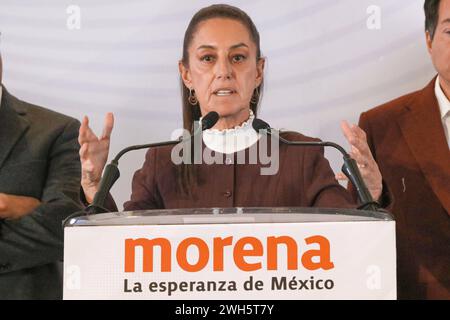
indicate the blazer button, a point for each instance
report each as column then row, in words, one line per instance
column 228, row 194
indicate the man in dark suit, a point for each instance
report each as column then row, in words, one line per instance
column 409, row 138
column 39, row 187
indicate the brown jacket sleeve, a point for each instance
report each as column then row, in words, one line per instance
column 144, row 195
column 323, row 190
column 143, row 189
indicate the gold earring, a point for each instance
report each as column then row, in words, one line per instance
column 192, row 98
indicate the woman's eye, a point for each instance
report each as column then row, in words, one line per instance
column 207, row 58
column 239, row 58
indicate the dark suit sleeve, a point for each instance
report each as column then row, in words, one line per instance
column 322, row 188
column 37, row 239
column 144, row 193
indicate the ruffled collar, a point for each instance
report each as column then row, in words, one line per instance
column 244, row 125
column 233, row 139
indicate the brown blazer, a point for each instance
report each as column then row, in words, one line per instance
column 407, row 139
column 304, row 179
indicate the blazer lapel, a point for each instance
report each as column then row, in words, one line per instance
column 421, row 125
column 12, row 125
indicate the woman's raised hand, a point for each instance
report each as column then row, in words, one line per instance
column 93, row 154
column 360, row 151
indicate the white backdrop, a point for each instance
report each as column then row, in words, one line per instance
column 327, row 60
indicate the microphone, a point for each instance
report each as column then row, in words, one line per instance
column 349, row 168
column 112, row 172
column 209, row 120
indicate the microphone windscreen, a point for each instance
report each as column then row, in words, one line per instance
column 210, row 120
column 259, row 124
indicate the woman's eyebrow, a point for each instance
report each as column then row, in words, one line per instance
column 239, row 45
column 205, row 46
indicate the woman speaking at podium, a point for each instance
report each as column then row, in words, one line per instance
column 222, row 70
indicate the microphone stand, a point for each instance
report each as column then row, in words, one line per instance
column 349, row 168
column 109, row 177
column 112, row 173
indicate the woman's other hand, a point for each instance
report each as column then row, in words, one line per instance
column 93, row 154
column 367, row 165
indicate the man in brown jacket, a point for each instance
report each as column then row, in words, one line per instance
column 409, row 138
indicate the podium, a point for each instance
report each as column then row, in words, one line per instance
column 232, row 253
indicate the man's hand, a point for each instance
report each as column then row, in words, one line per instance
column 15, row 207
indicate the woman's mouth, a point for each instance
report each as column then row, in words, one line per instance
column 224, row 92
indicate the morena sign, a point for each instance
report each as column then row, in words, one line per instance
column 241, row 248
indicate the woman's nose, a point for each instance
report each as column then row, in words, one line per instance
column 223, row 69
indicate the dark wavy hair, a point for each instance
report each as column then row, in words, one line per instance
column 187, row 175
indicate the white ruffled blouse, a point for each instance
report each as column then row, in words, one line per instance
column 232, row 140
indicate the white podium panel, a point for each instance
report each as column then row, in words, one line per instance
column 221, row 254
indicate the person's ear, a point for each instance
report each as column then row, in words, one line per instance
column 185, row 74
column 260, row 71
column 429, row 42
